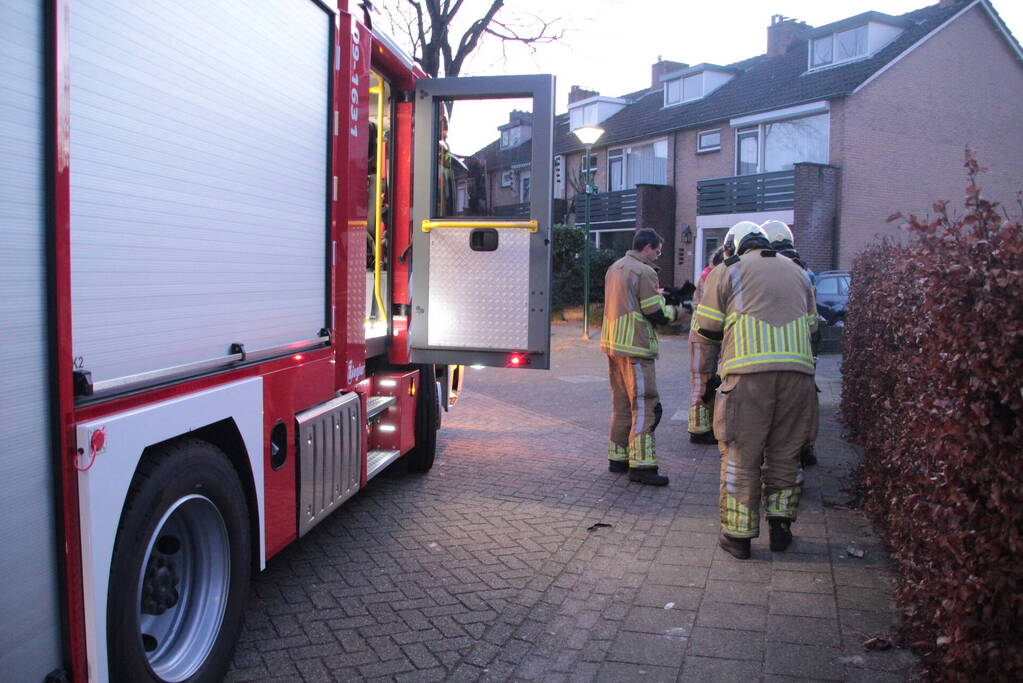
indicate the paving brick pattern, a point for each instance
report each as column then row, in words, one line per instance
column 490, row 568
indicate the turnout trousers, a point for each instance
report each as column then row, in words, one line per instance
column 635, row 410
column 703, row 363
column 762, row 421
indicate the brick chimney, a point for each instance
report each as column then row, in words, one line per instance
column 782, row 34
column 577, row 93
column 662, row 67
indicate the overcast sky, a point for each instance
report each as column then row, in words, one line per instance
column 609, row 45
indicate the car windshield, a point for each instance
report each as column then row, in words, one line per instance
column 827, row 285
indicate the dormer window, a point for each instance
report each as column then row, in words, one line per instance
column 838, row 47
column 511, row 137
column 851, row 39
column 682, row 90
column 694, row 83
column 593, row 111
column 584, row 116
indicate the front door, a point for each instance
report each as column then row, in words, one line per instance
column 481, row 271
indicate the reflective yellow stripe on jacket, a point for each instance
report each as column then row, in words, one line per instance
column 620, row 335
column 757, row 342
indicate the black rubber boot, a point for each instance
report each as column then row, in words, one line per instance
column 781, row 533
column 647, row 475
column 739, row 548
column 617, row 466
column 705, row 437
column 808, row 455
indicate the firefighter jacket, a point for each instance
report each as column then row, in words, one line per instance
column 762, row 309
column 630, row 295
column 694, row 328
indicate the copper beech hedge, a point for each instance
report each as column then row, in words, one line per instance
column 933, row 393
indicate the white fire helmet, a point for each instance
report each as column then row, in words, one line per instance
column 735, row 235
column 776, row 231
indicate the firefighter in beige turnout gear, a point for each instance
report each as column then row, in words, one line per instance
column 703, row 365
column 761, row 308
column 632, row 305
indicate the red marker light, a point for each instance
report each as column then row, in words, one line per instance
column 98, row 441
column 515, row 360
column 297, row 356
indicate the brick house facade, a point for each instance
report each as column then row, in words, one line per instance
column 885, row 131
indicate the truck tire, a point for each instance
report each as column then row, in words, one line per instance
column 422, row 455
column 180, row 567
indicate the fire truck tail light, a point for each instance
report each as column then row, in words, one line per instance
column 517, row 360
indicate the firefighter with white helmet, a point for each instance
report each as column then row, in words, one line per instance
column 703, row 366
column 761, row 308
column 783, row 242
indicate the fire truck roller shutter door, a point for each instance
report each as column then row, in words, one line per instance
column 30, row 627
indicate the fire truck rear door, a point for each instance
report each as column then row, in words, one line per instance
column 481, row 273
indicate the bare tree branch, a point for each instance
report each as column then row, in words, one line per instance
column 428, row 26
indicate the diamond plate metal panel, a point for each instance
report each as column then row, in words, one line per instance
column 479, row 299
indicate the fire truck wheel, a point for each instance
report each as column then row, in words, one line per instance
column 420, row 458
column 180, row 568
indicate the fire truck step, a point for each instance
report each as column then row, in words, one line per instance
column 378, row 404
column 376, row 461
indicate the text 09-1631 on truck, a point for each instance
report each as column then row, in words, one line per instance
column 241, row 278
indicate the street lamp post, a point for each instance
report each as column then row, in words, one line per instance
column 587, row 135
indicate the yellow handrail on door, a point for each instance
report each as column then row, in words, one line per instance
column 532, row 226
column 378, row 246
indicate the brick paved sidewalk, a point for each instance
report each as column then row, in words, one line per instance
column 519, row 557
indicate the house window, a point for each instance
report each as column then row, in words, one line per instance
column 673, row 92
column 615, row 170
column 692, row 87
column 682, row 90
column 838, row 47
column 508, row 179
column 587, row 171
column 647, row 164
column 524, row 182
column 583, row 116
column 461, row 198
column 787, row 143
column 747, row 145
column 779, row 145
column 511, row 137
column 851, row 44
column 708, row 141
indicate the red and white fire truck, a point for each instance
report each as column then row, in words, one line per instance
column 235, row 289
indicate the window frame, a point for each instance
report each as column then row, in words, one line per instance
column 761, row 135
column 682, row 99
column 700, row 149
column 755, row 130
column 616, row 155
column 833, row 39
column 623, row 153
column 525, row 185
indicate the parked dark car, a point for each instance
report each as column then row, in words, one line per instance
column 832, row 292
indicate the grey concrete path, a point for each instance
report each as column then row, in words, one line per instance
column 520, row 557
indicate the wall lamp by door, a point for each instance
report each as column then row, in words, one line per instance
column 687, row 233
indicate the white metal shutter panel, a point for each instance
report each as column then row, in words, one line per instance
column 198, row 179
column 30, row 622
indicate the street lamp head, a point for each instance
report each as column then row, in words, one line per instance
column 588, row 134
